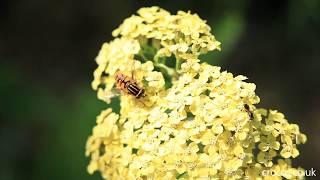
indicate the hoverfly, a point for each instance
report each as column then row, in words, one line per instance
column 125, row 84
column 128, row 85
column 247, row 108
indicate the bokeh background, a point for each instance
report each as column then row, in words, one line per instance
column 47, row 52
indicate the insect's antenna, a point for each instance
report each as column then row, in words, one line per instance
column 116, row 73
column 131, row 68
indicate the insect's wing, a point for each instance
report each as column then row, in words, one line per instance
column 115, row 92
column 111, row 94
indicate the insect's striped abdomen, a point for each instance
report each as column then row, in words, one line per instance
column 135, row 90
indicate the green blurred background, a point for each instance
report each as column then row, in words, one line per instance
column 47, row 52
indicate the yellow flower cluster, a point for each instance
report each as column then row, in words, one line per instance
column 185, row 35
column 205, row 126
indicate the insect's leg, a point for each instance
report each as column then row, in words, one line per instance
column 142, row 102
column 122, row 85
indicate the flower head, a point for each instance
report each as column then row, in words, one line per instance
column 203, row 123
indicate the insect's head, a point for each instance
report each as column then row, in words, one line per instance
column 118, row 76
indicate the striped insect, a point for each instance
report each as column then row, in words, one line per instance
column 128, row 85
column 247, row 109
